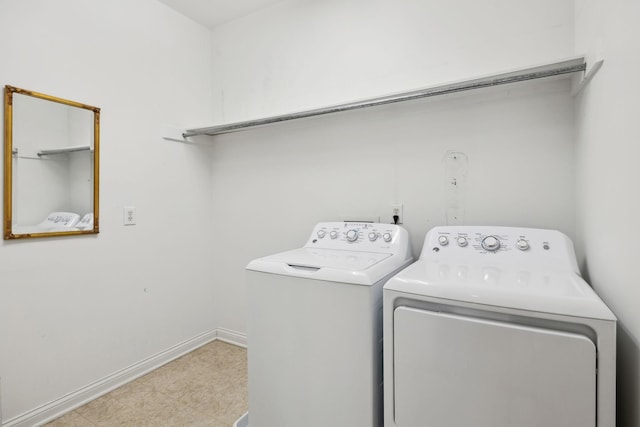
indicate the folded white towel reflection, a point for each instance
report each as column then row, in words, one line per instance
column 59, row 221
column 86, row 222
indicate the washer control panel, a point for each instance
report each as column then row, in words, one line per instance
column 465, row 243
column 358, row 236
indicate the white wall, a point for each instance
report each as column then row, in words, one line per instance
column 301, row 54
column 75, row 310
column 270, row 185
column 607, row 151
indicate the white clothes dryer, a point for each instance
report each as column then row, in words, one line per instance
column 494, row 327
column 315, row 327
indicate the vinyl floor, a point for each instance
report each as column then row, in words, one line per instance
column 204, row 388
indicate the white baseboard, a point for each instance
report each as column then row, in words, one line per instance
column 73, row 400
column 232, row 337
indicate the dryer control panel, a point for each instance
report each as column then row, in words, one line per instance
column 502, row 244
column 359, row 236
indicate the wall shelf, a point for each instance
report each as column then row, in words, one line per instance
column 64, row 150
column 561, row 68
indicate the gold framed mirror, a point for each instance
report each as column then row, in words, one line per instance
column 51, row 165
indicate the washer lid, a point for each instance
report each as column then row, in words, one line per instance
column 553, row 291
column 363, row 268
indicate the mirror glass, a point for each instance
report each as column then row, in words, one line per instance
column 50, row 166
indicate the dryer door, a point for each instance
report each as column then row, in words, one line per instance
column 456, row 371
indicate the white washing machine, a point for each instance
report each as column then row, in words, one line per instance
column 494, row 327
column 315, row 327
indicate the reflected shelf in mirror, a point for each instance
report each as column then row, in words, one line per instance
column 54, row 151
column 64, row 150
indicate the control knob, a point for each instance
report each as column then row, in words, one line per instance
column 522, row 244
column 373, row 236
column 491, row 243
column 462, row 241
column 443, row 240
column 333, row 234
column 321, row 234
column 387, row 237
column 352, row 235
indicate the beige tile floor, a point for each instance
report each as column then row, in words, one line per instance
column 207, row 387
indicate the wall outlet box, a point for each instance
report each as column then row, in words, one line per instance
column 397, row 210
column 129, row 215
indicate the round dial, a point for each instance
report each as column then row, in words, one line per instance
column 462, row 241
column 491, row 243
column 387, row 237
column 352, row 235
column 321, row 234
column 443, row 240
column 373, row 236
column 522, row 244
column 333, row 234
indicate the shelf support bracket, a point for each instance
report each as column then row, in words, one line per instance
column 174, row 134
column 587, row 77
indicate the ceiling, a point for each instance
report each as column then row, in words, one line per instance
column 212, row 13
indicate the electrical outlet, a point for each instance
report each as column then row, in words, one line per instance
column 129, row 215
column 396, row 210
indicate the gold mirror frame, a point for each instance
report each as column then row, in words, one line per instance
column 9, row 232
